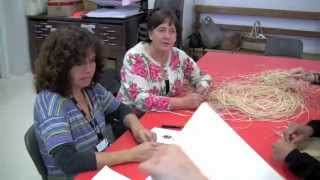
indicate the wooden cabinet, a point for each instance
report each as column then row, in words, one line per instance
column 117, row 34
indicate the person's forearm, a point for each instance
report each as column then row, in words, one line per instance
column 177, row 103
column 151, row 102
column 131, row 121
column 71, row 162
column 122, row 111
column 303, row 165
column 113, row 158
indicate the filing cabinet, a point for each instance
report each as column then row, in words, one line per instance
column 117, row 34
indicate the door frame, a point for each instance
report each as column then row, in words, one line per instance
column 4, row 66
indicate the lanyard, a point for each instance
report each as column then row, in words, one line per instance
column 92, row 121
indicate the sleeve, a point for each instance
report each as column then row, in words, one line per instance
column 303, row 165
column 316, row 79
column 135, row 82
column 122, row 111
column 72, row 162
column 194, row 74
column 106, row 100
column 315, row 124
column 54, row 129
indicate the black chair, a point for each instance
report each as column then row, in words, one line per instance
column 110, row 80
column 34, row 152
column 289, row 47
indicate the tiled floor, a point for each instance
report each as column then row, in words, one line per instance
column 16, row 116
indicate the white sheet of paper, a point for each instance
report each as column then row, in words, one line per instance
column 121, row 12
column 165, row 136
column 219, row 151
column 107, row 173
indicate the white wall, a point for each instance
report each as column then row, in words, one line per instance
column 311, row 45
column 188, row 19
column 3, row 62
column 14, row 38
column 302, row 5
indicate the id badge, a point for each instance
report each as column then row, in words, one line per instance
column 102, row 145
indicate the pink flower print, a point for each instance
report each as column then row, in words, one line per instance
column 188, row 68
column 148, row 102
column 175, row 62
column 162, row 103
column 133, row 90
column 154, row 91
column 155, row 72
column 177, row 88
column 136, row 58
column 138, row 66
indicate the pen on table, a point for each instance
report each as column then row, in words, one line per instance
column 172, row 126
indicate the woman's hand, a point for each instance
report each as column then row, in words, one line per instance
column 143, row 151
column 299, row 73
column 193, row 100
column 281, row 149
column 170, row 162
column 204, row 91
column 140, row 133
column 144, row 135
column 297, row 133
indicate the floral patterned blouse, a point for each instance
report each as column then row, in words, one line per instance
column 144, row 81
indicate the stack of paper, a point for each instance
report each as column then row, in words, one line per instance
column 121, row 12
column 114, row 2
column 219, row 151
column 107, row 173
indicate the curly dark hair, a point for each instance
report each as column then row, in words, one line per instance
column 158, row 16
column 62, row 50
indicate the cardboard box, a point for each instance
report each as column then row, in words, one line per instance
column 64, row 7
column 89, row 5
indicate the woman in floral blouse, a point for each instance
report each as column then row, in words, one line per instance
column 154, row 72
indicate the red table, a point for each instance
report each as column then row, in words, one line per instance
column 259, row 135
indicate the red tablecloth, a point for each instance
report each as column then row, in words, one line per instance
column 259, row 135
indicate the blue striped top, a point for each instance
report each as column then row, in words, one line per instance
column 58, row 121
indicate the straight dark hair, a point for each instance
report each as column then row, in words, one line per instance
column 159, row 16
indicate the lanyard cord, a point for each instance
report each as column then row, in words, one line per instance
column 92, row 121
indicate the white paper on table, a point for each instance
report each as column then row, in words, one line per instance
column 148, row 178
column 107, row 173
column 165, row 136
column 219, row 152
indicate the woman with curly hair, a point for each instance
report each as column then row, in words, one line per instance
column 70, row 108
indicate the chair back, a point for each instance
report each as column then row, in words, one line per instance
column 110, row 79
column 289, row 47
column 176, row 5
column 34, row 152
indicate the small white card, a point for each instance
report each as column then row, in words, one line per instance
column 165, row 136
column 107, row 173
column 102, row 145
